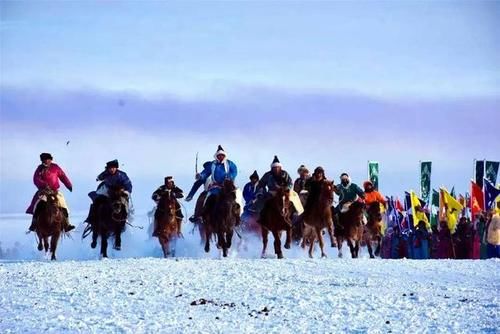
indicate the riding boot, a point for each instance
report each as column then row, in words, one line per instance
column 67, row 226
column 90, row 216
column 32, row 227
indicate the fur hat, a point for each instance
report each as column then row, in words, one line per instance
column 367, row 183
column 254, row 175
column 276, row 162
column 220, row 150
column 112, row 164
column 169, row 178
column 302, row 168
column 344, row 174
column 319, row 169
column 45, row 156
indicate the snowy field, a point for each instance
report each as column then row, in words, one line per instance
column 139, row 292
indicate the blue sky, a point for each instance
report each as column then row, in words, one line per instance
column 321, row 83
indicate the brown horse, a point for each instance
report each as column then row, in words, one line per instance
column 276, row 216
column 169, row 227
column 49, row 222
column 318, row 215
column 110, row 219
column 220, row 215
column 350, row 228
column 373, row 229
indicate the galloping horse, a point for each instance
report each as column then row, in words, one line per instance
column 350, row 227
column 49, row 222
column 373, row 229
column 169, row 228
column 110, row 219
column 220, row 216
column 276, row 216
column 319, row 216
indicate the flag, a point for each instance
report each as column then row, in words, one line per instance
column 452, row 192
column 476, row 199
column 434, row 207
column 491, row 170
column 417, row 208
column 490, row 195
column 425, row 180
column 479, row 172
column 373, row 173
column 452, row 209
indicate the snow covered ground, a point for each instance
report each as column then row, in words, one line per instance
column 141, row 292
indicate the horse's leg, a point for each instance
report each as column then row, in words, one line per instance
column 229, row 238
column 356, row 247
column 207, row 238
column 104, row 243
column 330, row 233
column 368, row 242
column 118, row 237
column 40, row 238
column 222, row 243
column 288, row 237
column 53, row 244
column 46, row 243
column 162, row 242
column 321, row 242
column 265, row 235
column 277, row 244
column 379, row 246
column 351, row 248
column 340, row 241
column 311, row 238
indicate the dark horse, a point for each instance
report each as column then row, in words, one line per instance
column 276, row 216
column 109, row 219
column 220, row 215
column 169, row 228
column 350, row 228
column 373, row 229
column 318, row 216
column 49, row 222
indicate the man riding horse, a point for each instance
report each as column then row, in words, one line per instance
column 112, row 179
column 347, row 191
column 167, row 188
column 373, row 196
column 214, row 173
column 250, row 193
column 46, row 177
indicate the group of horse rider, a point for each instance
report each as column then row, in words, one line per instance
column 214, row 173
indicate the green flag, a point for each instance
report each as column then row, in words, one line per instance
column 434, row 207
column 425, row 180
column 373, row 173
column 491, row 171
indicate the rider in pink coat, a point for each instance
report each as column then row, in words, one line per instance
column 48, row 175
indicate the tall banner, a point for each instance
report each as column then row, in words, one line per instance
column 434, row 207
column 373, row 173
column 491, row 171
column 425, row 180
column 479, row 172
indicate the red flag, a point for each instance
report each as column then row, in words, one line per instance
column 399, row 206
column 476, row 199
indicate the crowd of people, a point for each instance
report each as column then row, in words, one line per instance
column 472, row 239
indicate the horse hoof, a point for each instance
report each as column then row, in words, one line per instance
column 287, row 245
column 40, row 247
column 207, row 249
column 340, row 255
column 93, row 244
column 372, row 257
column 118, row 248
column 280, row 256
column 333, row 245
column 323, row 256
column 310, row 256
column 53, row 258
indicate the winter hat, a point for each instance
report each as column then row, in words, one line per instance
column 302, row 168
column 254, row 175
column 367, row 183
column 319, row 169
column 45, row 156
column 112, row 164
column 276, row 162
column 220, row 150
column 169, row 178
column 344, row 174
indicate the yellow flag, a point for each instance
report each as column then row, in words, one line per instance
column 418, row 213
column 452, row 208
column 497, row 209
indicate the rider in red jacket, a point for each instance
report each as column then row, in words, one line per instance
column 47, row 176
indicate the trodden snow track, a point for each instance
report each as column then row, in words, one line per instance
column 242, row 295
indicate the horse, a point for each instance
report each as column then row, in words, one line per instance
column 220, row 216
column 169, row 228
column 350, row 227
column 275, row 217
column 319, row 216
column 373, row 229
column 49, row 222
column 110, row 219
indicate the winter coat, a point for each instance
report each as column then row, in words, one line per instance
column 117, row 180
column 50, row 176
column 444, row 248
column 272, row 182
column 249, row 192
column 374, row 196
column 421, row 244
column 219, row 171
column 163, row 189
column 300, row 184
column 348, row 193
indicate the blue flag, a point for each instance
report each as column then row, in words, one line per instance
column 490, row 194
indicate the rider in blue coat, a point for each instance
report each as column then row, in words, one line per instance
column 250, row 192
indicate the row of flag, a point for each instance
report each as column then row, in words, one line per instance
column 434, row 206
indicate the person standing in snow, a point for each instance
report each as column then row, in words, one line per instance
column 47, row 176
column 493, row 236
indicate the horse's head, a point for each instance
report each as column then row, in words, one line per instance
column 228, row 186
column 357, row 210
column 118, row 199
column 327, row 190
column 167, row 201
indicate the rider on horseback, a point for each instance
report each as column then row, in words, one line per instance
column 215, row 172
column 47, row 176
column 313, row 187
column 168, row 187
column 250, row 192
column 347, row 192
column 300, row 183
column 112, row 178
column 372, row 195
